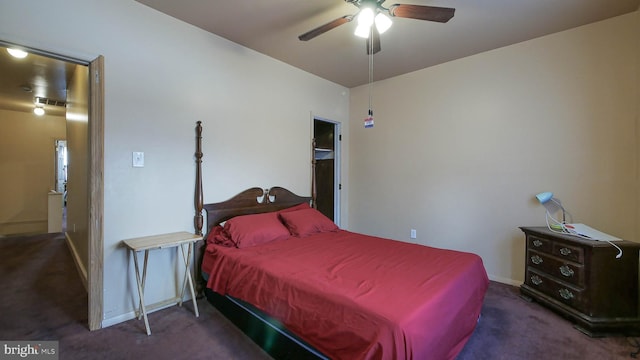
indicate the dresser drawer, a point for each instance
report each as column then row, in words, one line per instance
column 566, row 271
column 560, row 291
column 569, row 252
column 540, row 244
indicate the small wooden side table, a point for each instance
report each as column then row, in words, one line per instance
column 177, row 239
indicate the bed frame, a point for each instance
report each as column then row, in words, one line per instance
column 265, row 331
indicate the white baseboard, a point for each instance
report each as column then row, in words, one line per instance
column 505, row 280
column 118, row 319
column 82, row 271
column 132, row 314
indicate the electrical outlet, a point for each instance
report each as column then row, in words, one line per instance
column 413, row 233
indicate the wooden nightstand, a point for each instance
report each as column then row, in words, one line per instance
column 583, row 280
column 178, row 239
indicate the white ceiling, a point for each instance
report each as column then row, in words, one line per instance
column 272, row 28
column 22, row 80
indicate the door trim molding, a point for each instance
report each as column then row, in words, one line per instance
column 96, row 192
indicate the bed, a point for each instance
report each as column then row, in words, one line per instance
column 303, row 288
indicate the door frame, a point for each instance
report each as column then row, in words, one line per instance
column 96, row 193
column 337, row 185
column 95, row 206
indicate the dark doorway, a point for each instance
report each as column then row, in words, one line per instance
column 324, row 133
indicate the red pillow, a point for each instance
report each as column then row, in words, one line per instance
column 218, row 236
column 303, row 223
column 301, row 206
column 255, row 229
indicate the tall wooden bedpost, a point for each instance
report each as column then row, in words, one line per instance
column 197, row 220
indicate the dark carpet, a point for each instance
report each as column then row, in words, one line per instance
column 512, row 328
column 43, row 299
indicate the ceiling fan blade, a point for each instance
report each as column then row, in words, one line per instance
column 373, row 41
column 420, row 12
column 324, row 28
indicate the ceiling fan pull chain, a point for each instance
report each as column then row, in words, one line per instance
column 368, row 122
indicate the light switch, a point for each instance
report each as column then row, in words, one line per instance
column 138, row 159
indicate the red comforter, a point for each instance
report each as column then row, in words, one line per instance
column 353, row 296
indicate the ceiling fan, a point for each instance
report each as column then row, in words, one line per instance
column 372, row 11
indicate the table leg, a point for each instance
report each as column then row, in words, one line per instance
column 140, row 283
column 144, row 278
column 186, row 271
column 144, row 268
column 187, row 277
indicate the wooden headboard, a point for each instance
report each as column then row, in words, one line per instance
column 251, row 201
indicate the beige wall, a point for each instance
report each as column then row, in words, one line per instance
column 459, row 150
column 161, row 76
column 77, row 183
column 27, row 165
column 453, row 136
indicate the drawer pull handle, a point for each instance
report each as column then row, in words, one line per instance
column 565, row 294
column 536, row 259
column 536, row 280
column 537, row 243
column 566, row 271
column 565, row 251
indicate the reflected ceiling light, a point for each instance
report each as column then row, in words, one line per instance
column 77, row 117
column 17, row 53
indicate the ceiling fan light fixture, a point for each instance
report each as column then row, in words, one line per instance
column 365, row 17
column 363, row 31
column 373, row 12
column 383, row 23
column 365, row 21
